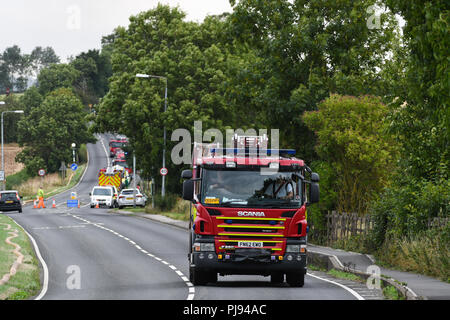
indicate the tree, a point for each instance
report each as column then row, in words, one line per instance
column 95, row 69
column 49, row 129
column 14, row 68
column 352, row 140
column 42, row 58
column 159, row 42
column 305, row 51
column 57, row 76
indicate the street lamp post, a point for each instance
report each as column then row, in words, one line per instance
column 3, row 155
column 140, row 75
column 73, row 151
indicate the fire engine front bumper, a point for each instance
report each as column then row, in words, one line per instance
column 249, row 262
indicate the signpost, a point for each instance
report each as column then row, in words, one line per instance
column 164, row 171
column 74, row 167
column 2, row 175
column 41, row 172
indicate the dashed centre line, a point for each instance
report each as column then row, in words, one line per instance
column 190, row 286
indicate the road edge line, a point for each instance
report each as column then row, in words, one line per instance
column 353, row 292
column 41, row 261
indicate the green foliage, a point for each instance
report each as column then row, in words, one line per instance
column 10, row 130
column 57, row 76
column 167, row 202
column 404, row 208
column 304, row 51
column 48, row 131
column 15, row 180
column 159, row 42
column 95, row 69
column 358, row 152
column 425, row 252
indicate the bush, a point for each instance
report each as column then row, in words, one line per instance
column 15, row 180
column 167, row 202
column 82, row 154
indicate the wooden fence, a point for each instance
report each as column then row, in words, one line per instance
column 344, row 225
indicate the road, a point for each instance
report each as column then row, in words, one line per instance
column 93, row 254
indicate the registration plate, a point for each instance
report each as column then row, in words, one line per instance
column 250, row 244
column 9, row 201
column 130, row 198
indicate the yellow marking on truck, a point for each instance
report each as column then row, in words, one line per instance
column 252, row 218
column 248, row 227
column 252, row 234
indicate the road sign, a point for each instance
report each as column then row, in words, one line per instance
column 72, row 203
column 41, row 172
column 2, row 175
column 73, row 166
column 163, row 171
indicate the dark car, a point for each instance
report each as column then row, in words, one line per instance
column 10, row 201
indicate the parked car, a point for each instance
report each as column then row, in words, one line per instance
column 115, row 196
column 126, row 198
column 104, row 196
column 10, row 201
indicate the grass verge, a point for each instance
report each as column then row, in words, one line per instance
column 25, row 283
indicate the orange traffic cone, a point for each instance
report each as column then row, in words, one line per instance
column 54, row 204
column 34, row 204
column 97, row 206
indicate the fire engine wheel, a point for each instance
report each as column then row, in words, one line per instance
column 201, row 278
column 295, row 279
column 277, row 278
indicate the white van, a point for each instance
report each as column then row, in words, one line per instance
column 103, row 196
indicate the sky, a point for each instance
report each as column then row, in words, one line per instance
column 74, row 26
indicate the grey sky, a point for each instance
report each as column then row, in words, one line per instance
column 74, row 26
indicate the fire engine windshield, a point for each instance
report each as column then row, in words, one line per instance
column 239, row 188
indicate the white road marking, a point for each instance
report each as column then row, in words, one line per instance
column 353, row 292
column 190, row 286
column 44, row 265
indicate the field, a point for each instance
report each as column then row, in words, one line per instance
column 11, row 166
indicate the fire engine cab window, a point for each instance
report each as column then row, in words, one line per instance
column 242, row 188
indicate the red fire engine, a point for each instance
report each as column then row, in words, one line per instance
column 248, row 212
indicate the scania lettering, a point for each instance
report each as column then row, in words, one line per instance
column 250, row 214
column 248, row 211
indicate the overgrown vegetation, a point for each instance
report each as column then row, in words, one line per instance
column 26, row 282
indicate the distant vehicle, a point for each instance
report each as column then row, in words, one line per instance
column 10, row 201
column 122, row 163
column 103, row 196
column 116, row 144
column 115, row 196
column 119, row 154
column 126, row 198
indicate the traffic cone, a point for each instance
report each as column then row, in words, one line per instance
column 34, row 204
column 97, row 206
column 54, row 204
column 78, row 204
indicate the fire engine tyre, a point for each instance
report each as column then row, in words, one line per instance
column 277, row 278
column 295, row 279
column 197, row 277
column 201, row 277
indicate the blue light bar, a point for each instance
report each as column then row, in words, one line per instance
column 260, row 151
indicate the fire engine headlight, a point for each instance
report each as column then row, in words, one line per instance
column 207, row 247
column 293, row 248
column 203, row 247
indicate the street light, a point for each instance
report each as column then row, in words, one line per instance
column 141, row 75
column 3, row 155
column 73, row 151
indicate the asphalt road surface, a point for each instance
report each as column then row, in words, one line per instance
column 93, row 254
